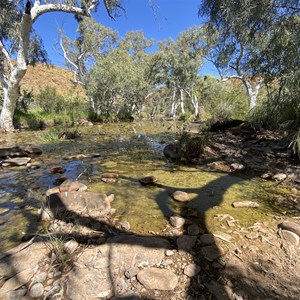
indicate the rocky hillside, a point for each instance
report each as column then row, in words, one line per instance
column 42, row 75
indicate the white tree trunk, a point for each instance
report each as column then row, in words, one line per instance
column 10, row 82
column 252, row 90
column 195, row 105
column 174, row 105
column 10, row 97
column 182, row 101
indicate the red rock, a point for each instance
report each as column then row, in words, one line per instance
column 148, row 180
column 57, row 169
column 109, row 175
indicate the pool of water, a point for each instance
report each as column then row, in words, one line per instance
column 133, row 150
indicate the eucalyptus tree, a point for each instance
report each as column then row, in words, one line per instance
column 176, row 65
column 16, row 26
column 252, row 40
column 118, row 80
column 93, row 41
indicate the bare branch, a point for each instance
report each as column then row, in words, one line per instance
column 70, row 62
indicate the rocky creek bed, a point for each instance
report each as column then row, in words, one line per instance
column 87, row 252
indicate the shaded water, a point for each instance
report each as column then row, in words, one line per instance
column 133, row 150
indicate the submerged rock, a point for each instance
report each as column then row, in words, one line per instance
column 57, row 169
column 148, row 180
column 109, row 177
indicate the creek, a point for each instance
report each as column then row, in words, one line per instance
column 132, row 150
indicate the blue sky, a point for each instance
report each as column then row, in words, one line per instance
column 166, row 18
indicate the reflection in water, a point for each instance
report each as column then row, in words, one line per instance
column 133, row 151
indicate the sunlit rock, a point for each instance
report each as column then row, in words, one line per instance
column 17, row 161
column 181, row 196
column 245, row 204
column 159, row 279
column 177, row 221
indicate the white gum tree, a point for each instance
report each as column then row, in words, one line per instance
column 16, row 23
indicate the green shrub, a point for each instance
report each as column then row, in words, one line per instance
column 25, row 100
column 295, row 143
column 50, row 101
column 191, row 145
column 49, row 136
column 33, row 120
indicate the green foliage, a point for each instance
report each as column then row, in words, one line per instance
column 185, row 117
column 24, row 101
column 55, row 134
column 63, row 110
column 118, row 80
column 49, row 100
column 32, row 120
column 222, row 100
column 49, row 136
column 295, row 143
column 282, row 109
column 191, row 146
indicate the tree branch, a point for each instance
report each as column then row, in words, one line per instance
column 70, row 62
column 39, row 10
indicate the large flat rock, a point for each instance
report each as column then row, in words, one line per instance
column 83, row 203
column 98, row 270
column 20, row 267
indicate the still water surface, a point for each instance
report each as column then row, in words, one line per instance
column 133, row 150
